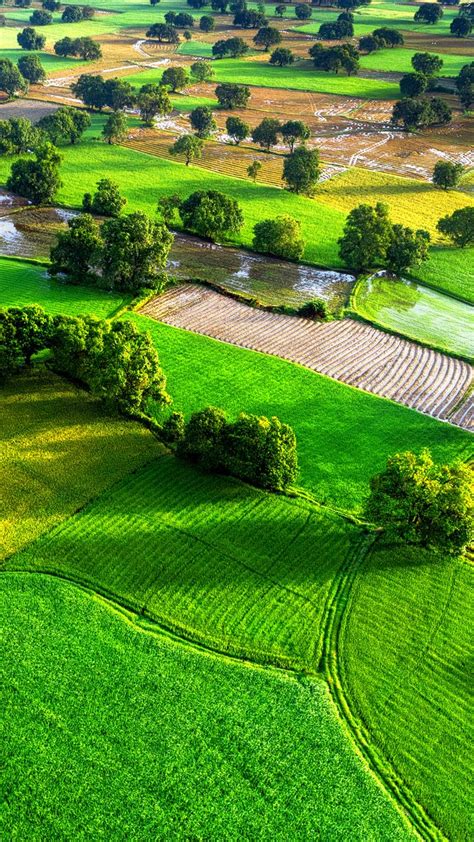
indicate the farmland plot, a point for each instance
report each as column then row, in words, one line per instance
column 346, row 350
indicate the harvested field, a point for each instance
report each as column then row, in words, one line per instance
column 349, row 351
column 30, row 109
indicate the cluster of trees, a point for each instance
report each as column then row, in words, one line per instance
column 465, row 85
column 65, row 125
column 30, row 39
column 229, row 48
column 417, row 501
column 426, row 67
column 74, row 14
column 127, row 253
column 164, row 33
column 342, row 27
column 280, row 237
column 253, row 448
column 97, row 92
column 381, row 38
column 114, row 360
column 267, row 133
column 209, row 213
column 333, row 59
column 11, row 80
column 461, row 26
column 202, row 71
column 84, row 48
column 370, row 240
column 106, row 201
column 37, row 177
column 428, row 13
column 458, row 227
column 229, row 95
column 18, row 135
column 282, row 57
column 414, row 114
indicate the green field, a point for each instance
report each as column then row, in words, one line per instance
column 406, row 649
column 59, row 451
column 449, row 269
column 143, row 737
column 399, row 60
column 417, row 312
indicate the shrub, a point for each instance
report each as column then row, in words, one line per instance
column 211, row 214
column 315, row 309
column 280, row 236
column 106, row 200
column 202, row 438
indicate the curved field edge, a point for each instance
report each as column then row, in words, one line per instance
column 153, row 718
column 403, row 669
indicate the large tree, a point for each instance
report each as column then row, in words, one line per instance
column 446, row 174
column 175, row 78
column 231, row 96
column 266, row 37
column 91, row 89
column 37, row 178
column 294, row 130
column 280, row 236
column 301, row 170
column 29, row 39
column 134, row 253
column 202, row 121
column 237, row 129
column 77, row 253
column 11, row 80
column 115, row 127
column 188, row 145
column 266, row 133
column 153, row 101
column 413, row 84
column 282, row 57
column 106, row 201
column 428, row 13
column 211, row 214
column 366, row 237
column 428, row 64
column 459, row 226
column 202, row 71
column 407, row 248
column 66, row 125
column 31, row 69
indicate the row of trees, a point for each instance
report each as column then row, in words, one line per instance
column 85, row 48
column 71, row 14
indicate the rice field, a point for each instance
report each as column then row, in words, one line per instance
column 349, row 351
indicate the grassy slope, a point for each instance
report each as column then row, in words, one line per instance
column 162, row 741
column 59, row 450
column 449, row 269
column 399, row 60
column 406, row 650
column 417, row 312
column 234, row 568
column 344, row 435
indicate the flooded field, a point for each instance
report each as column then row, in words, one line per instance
column 29, row 231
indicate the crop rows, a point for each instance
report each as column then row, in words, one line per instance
column 349, row 351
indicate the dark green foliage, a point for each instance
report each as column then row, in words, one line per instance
column 134, row 253
column 446, row 174
column 237, row 129
column 419, row 113
column 163, row 32
column 29, row 39
column 51, row 5
column 465, row 85
column 153, row 100
column 280, row 236
column 229, row 47
column 428, row 13
column 250, row 19
column 267, row 36
column 211, row 214
column 301, row 170
column 202, row 71
column 18, row 135
column 11, row 80
column 202, row 121
column 37, row 179
column 41, row 18
column 282, row 57
column 413, row 84
column 333, row 59
column 167, row 207
column 115, row 128
column 173, row 429
column 294, row 130
column 66, row 125
column 370, row 44
column 78, row 251
column 459, row 226
column 390, row 37
column 106, row 201
column 427, row 63
column 175, row 78
column 336, row 30
column 85, row 48
column 202, row 440
column 31, row 69
column 419, row 502
column 366, row 237
column 266, row 133
column 188, row 145
column 231, row 96
column 317, row 308
column 207, row 23
column 118, row 94
column 23, row 332
column 91, row 89
column 461, row 27
column 303, row 11
column 407, row 248
column 280, row 10
column 74, row 14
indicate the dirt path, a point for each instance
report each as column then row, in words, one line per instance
column 350, row 351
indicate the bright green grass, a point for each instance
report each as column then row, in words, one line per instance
column 450, row 269
column 219, row 562
column 344, row 435
column 135, row 736
column 397, row 15
column 59, row 449
column 188, row 102
column 195, row 48
column 297, row 77
column 407, row 652
column 399, row 60
column 23, row 283
column 417, row 312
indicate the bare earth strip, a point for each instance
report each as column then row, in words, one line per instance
column 347, row 350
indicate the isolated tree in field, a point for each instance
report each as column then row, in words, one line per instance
column 51, row 5
column 11, row 80
column 78, row 250
column 301, row 170
column 366, row 237
column 282, row 57
column 175, row 78
column 459, row 226
column 72, row 14
column 153, row 101
column 413, row 84
column 202, row 71
column 29, row 39
column 266, row 133
column 41, row 18
column 188, row 145
column 303, row 11
column 37, row 178
column 106, row 201
column 465, row 85
column 229, row 47
column 446, row 174
column 237, row 129
column 280, row 10
column 428, row 13
column 211, row 214
column 134, row 253
column 202, row 121
column 427, row 63
column 91, row 89
column 407, row 248
column 461, row 27
column 207, row 23
column 419, row 502
column 253, row 170
column 266, row 37
column 115, row 128
column 163, row 32
column 419, row 113
column 390, row 37
column 293, row 131
column 232, row 96
column 167, row 208
column 280, row 236
column 31, row 69
column 66, row 125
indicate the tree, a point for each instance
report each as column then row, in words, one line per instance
column 282, row 57
column 267, row 36
column 167, row 207
column 333, row 59
column 29, row 39
column 447, row 174
column 440, row 112
column 91, row 89
column 390, row 37
column 294, row 130
column 237, row 129
column 316, row 308
column 17, row 135
column 115, row 128
column 233, row 47
column 301, row 170
column 202, row 440
column 413, row 84
column 202, row 71
column 188, row 145
column 280, row 236
column 419, row 502
column 250, row 19
column 266, row 133
column 336, row 30
column 11, row 80
column 370, row 44
column 428, row 13
column 106, row 200
column 32, row 328
column 118, row 94
column 465, row 85
column 31, row 69
column 202, row 121
column 197, row 4
column 219, row 6
column 51, row 5
column 280, row 10
column 175, row 78
column 87, row 49
column 182, row 20
column 72, row 14
column 461, row 27
column 407, row 248
column 207, row 23
column 77, row 253
column 366, row 237
column 66, row 125
column 232, row 96
column 153, row 100
column 65, row 47
column 134, row 253
column 40, row 18
column 211, row 214
column 163, row 32
column 303, row 11
column 414, row 114
column 427, row 63
column 37, row 179
column 459, row 226
column 253, row 170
